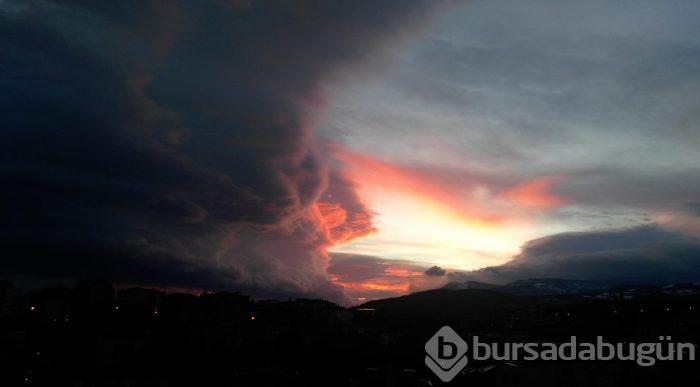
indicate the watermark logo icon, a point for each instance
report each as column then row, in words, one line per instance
column 446, row 354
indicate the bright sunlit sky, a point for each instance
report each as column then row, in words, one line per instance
column 511, row 120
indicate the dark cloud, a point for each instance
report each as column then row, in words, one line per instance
column 645, row 254
column 173, row 142
column 435, row 271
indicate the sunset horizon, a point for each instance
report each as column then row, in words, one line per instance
column 350, row 151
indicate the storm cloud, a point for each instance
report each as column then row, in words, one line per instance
column 172, row 142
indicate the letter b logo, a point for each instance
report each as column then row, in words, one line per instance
column 446, row 354
column 442, row 354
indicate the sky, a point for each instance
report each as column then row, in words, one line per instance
column 349, row 150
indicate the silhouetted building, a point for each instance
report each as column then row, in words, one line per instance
column 55, row 302
column 7, row 294
column 226, row 307
column 140, row 298
column 92, row 294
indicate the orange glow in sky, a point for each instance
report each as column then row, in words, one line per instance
column 536, row 193
column 455, row 224
column 335, row 218
column 382, row 278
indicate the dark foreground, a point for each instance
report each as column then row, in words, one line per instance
column 88, row 337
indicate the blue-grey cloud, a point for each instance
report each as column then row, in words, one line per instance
column 692, row 208
column 645, row 254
